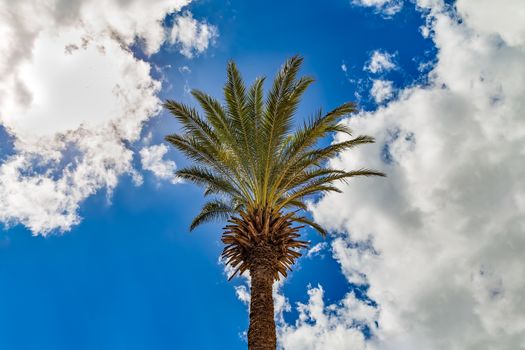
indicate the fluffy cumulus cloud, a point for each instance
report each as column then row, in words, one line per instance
column 72, row 97
column 152, row 160
column 192, row 36
column 380, row 61
column 440, row 241
column 382, row 90
column 335, row 327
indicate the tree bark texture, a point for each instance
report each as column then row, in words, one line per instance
column 261, row 333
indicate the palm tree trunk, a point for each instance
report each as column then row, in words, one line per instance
column 261, row 334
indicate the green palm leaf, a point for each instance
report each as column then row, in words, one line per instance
column 259, row 172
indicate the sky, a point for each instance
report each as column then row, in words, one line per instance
column 95, row 251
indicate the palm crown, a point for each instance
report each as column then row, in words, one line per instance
column 258, row 168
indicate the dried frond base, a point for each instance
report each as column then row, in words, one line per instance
column 263, row 238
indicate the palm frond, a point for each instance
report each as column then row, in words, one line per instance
column 212, row 211
column 277, row 121
column 258, row 169
column 214, row 182
column 216, row 116
column 313, row 224
column 191, row 122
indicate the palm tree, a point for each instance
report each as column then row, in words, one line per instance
column 259, row 170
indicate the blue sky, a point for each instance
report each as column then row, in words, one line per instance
column 129, row 275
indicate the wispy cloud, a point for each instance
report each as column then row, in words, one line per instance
column 316, row 249
column 385, row 7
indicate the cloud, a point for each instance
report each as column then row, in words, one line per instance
column 440, row 241
column 73, row 96
column 184, row 70
column 152, row 160
column 380, row 62
column 243, row 294
column 192, row 36
column 316, row 249
column 336, row 327
column 385, row 7
column 382, row 90
column 508, row 23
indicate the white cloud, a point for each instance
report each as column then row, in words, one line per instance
column 152, row 160
column 184, row 70
column 352, row 257
column 243, row 294
column 440, row 241
column 192, row 36
column 319, row 326
column 382, row 90
column 316, row 249
column 72, row 96
column 385, row 7
column 508, row 23
column 334, row 327
column 380, row 61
